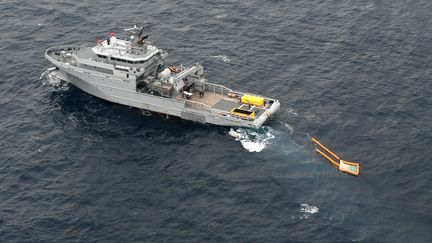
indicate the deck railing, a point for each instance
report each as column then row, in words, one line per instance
column 203, row 107
column 217, row 89
column 197, row 105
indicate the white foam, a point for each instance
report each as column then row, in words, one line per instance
column 91, row 140
column 223, row 58
column 220, row 16
column 291, row 111
column 251, row 140
column 368, row 6
column 75, row 121
column 308, row 210
column 288, row 126
column 52, row 77
column 253, row 146
column 310, row 116
column 146, row 113
column 44, row 74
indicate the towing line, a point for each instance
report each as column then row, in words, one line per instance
column 344, row 166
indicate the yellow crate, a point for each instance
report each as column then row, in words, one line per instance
column 252, row 100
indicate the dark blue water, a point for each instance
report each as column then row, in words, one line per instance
column 356, row 74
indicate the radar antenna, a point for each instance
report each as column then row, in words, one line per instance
column 137, row 32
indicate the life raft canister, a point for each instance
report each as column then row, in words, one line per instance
column 174, row 69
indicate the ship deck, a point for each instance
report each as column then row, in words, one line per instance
column 224, row 103
column 212, row 99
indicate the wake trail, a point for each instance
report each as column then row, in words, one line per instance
column 279, row 137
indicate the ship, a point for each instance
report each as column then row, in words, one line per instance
column 129, row 70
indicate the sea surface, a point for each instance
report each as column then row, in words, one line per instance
column 356, row 74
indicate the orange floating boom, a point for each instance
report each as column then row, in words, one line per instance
column 326, row 149
column 327, row 157
column 344, row 166
column 349, row 167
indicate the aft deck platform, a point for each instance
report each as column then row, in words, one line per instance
column 225, row 103
column 210, row 98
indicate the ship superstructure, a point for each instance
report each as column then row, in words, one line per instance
column 131, row 71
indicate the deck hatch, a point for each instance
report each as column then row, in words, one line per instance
column 243, row 113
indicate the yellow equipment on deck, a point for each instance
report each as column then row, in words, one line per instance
column 252, row 100
column 243, row 113
column 345, row 166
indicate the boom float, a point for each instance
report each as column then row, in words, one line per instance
column 344, row 166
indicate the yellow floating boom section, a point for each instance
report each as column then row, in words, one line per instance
column 344, row 166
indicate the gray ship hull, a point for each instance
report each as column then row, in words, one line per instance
column 111, row 88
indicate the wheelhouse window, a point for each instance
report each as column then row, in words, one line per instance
column 127, row 61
